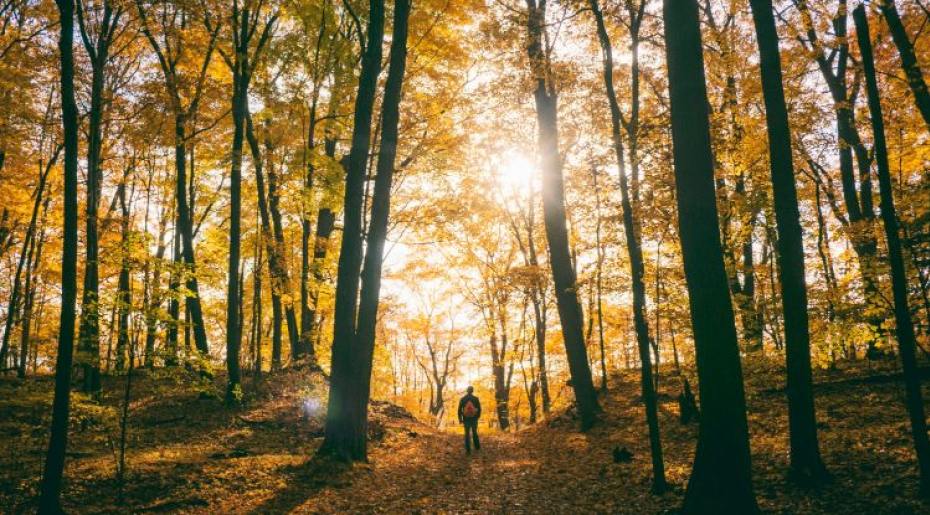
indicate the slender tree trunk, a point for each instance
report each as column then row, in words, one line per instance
column 915, row 77
column 28, row 308
column 298, row 352
column 233, row 336
column 343, row 417
column 276, row 270
column 50, row 488
column 124, row 296
column 721, row 480
column 554, row 216
column 637, row 266
column 185, row 228
column 806, row 464
column 14, row 304
column 99, row 54
column 905, row 327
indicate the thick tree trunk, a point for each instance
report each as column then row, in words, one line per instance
column 637, row 267
column 344, row 417
column 50, row 489
column 905, row 327
column 721, row 480
column 554, row 217
column 806, row 464
column 915, row 77
column 378, row 228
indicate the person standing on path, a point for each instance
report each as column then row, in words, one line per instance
column 469, row 413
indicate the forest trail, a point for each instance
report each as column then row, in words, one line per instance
column 524, row 472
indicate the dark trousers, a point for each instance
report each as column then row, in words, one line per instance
column 471, row 426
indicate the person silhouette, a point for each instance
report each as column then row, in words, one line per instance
column 469, row 413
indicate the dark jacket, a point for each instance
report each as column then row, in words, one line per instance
column 474, row 400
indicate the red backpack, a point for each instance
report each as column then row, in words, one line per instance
column 470, row 411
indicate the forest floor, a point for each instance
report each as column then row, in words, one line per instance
column 190, row 455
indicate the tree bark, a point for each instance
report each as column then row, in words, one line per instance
column 378, row 225
column 124, row 295
column 721, row 480
column 904, row 324
column 50, row 489
column 554, row 217
column 909, row 63
column 344, row 418
column 637, row 266
column 806, row 465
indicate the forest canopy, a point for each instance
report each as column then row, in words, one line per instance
column 389, row 201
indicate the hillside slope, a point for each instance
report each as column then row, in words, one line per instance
column 193, row 456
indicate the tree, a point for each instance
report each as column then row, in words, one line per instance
column 721, row 480
column 553, row 194
column 343, row 418
column 635, row 252
column 245, row 22
column 903, row 322
column 184, row 97
column 909, row 63
column 99, row 51
column 50, row 489
column 857, row 195
column 806, row 464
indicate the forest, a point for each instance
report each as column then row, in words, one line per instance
column 253, row 252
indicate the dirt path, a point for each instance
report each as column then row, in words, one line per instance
column 512, row 474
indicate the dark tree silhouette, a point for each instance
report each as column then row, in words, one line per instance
column 905, row 326
column 636, row 255
column 553, row 193
column 915, row 77
column 806, row 464
column 98, row 50
column 342, row 418
column 378, row 226
column 50, row 489
column 721, row 480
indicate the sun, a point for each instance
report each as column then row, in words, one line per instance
column 516, row 172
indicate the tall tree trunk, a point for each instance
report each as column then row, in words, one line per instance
column 298, row 352
column 50, row 489
column 554, row 216
column 915, row 77
column 858, row 201
column 29, row 304
column 344, row 417
column 99, row 52
column 637, row 267
column 377, row 230
column 806, row 464
column 276, row 268
column 233, row 336
column 256, row 337
column 721, row 480
column 124, row 295
column 905, row 327
column 185, row 227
